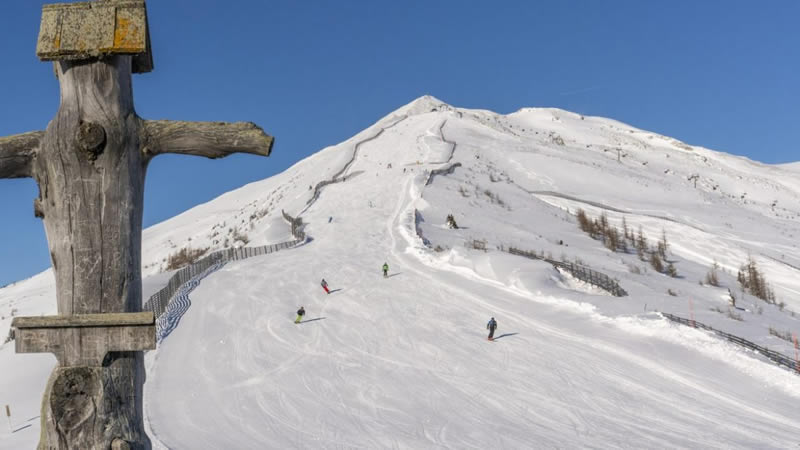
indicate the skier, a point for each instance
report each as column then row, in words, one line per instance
column 300, row 313
column 491, row 326
column 324, row 285
column 385, row 270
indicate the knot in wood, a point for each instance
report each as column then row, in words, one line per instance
column 72, row 397
column 91, row 139
column 38, row 211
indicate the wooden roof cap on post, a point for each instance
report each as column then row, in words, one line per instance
column 88, row 30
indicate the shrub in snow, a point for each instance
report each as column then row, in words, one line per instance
column 711, row 277
column 671, row 270
column 785, row 335
column 184, row 257
column 634, row 269
column 240, row 237
column 729, row 312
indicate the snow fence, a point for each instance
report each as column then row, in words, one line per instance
column 779, row 358
column 172, row 301
column 580, row 272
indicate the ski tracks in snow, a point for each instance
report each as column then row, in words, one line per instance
column 406, row 247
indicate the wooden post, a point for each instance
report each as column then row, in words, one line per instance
column 90, row 166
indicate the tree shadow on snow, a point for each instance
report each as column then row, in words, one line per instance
column 312, row 320
column 504, row 335
column 22, row 428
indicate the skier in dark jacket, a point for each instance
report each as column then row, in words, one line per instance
column 385, row 270
column 491, row 326
column 300, row 313
column 324, row 285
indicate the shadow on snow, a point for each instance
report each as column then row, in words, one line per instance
column 504, row 335
column 311, row 320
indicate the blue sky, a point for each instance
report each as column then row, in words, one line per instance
column 718, row 73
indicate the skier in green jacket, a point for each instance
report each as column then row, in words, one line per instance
column 385, row 270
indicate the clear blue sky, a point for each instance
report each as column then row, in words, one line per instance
column 724, row 74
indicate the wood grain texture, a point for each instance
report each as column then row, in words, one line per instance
column 90, row 165
column 209, row 139
column 92, row 207
column 17, row 153
column 92, row 201
column 85, row 320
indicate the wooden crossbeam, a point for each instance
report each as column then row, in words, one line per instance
column 85, row 339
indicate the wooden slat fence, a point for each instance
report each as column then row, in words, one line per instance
column 779, row 358
column 161, row 300
column 335, row 178
column 580, row 272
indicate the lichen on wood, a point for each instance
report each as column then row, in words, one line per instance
column 87, row 30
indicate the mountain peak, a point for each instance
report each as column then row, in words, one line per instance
column 424, row 104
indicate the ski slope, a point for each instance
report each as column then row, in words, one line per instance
column 403, row 361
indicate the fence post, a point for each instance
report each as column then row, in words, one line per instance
column 796, row 350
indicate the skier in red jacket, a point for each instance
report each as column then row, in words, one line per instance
column 324, row 285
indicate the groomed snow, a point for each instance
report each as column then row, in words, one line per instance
column 403, row 362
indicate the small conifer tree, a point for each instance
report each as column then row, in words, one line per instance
column 662, row 245
column 583, row 221
column 752, row 280
column 625, row 229
column 641, row 244
column 656, row 263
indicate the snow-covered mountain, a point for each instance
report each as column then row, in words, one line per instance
column 403, row 362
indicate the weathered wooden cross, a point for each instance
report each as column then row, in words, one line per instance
column 90, row 166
